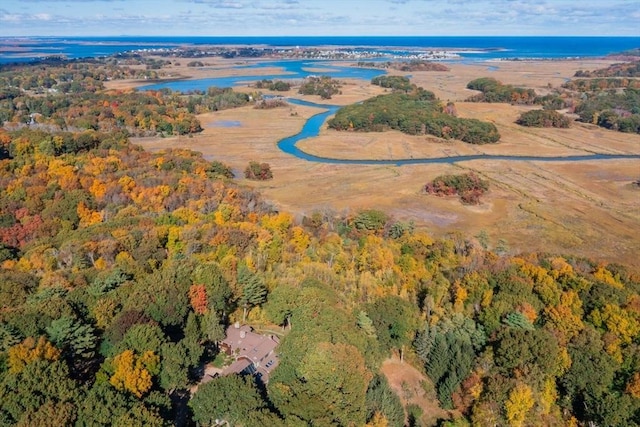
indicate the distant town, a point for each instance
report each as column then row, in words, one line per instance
column 296, row 53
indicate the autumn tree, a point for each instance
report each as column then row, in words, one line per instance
column 134, row 373
column 519, row 403
column 30, row 350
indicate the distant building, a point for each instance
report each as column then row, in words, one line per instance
column 253, row 353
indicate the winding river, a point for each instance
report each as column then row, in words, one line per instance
column 303, row 68
column 312, row 128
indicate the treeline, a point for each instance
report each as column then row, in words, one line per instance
column 417, row 113
column 494, row 91
column 628, row 69
column 75, row 76
column 616, row 111
column 138, row 113
column 612, row 103
column 120, row 270
column 413, row 65
column 600, row 84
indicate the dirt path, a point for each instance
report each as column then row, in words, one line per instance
column 408, row 383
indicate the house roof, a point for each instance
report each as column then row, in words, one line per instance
column 244, row 342
column 237, row 367
column 256, row 348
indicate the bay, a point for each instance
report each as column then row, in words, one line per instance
column 474, row 48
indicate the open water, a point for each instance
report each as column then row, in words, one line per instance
column 475, row 48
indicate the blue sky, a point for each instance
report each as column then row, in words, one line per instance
column 319, row 17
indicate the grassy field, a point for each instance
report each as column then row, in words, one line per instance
column 586, row 208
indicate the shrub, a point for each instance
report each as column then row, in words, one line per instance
column 258, row 171
column 219, row 169
column 469, row 187
column 266, row 104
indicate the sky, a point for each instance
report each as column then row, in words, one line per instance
column 319, row 17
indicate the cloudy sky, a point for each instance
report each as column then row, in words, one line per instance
column 319, row 17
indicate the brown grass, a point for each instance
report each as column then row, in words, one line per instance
column 408, row 383
column 587, row 208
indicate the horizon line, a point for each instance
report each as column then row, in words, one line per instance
column 320, row 36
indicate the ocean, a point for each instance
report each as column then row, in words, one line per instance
column 14, row 49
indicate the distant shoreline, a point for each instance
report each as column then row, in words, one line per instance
column 470, row 48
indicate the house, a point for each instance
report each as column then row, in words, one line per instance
column 253, row 353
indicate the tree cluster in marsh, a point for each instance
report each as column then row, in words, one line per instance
column 470, row 187
column 612, row 99
column 415, row 113
column 544, row 119
column 612, row 110
column 323, row 86
column 277, row 85
column 494, row 91
column 413, row 65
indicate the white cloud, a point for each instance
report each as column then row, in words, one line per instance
column 321, row 17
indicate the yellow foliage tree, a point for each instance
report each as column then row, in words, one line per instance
column 548, row 396
column 133, row 373
column 566, row 318
column 620, row 322
column 87, row 216
column 30, row 350
column 98, row 189
column 277, row 223
column 378, row 420
column 560, row 268
column 519, row 404
column 603, row 275
column 300, row 239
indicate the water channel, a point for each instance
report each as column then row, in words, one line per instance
column 294, row 69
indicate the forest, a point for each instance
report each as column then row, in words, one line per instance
column 121, row 269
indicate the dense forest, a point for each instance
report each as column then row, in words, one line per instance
column 121, row 269
column 71, row 98
column 137, row 113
